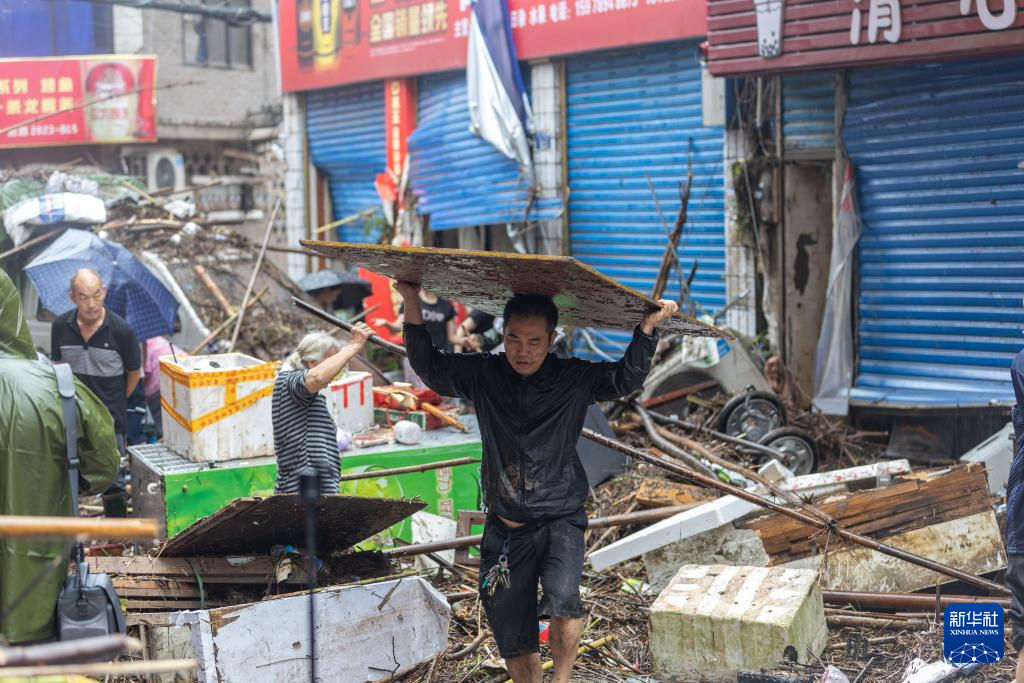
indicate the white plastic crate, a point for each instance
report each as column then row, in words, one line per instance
column 350, row 400
column 217, row 412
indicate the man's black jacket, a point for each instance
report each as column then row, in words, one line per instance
column 530, row 425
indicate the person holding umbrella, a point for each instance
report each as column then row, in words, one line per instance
column 105, row 355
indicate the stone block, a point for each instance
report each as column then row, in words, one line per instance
column 724, row 545
column 713, row 621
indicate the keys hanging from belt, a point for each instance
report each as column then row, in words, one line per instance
column 499, row 574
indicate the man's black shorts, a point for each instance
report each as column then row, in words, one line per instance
column 550, row 551
column 1015, row 582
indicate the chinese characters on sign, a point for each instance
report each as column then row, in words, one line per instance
column 882, row 14
column 973, row 633
column 798, row 37
column 962, row 619
column 64, row 101
column 993, row 22
column 400, row 113
column 331, row 42
column 408, row 22
column 445, row 504
column 885, row 16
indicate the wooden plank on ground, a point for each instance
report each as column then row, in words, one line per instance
column 137, row 605
column 662, row 493
column 209, row 568
column 252, row 526
column 905, row 505
column 485, row 280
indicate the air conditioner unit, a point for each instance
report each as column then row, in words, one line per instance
column 165, row 169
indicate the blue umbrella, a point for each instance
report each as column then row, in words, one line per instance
column 133, row 292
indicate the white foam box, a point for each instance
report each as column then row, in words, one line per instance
column 217, row 407
column 350, row 400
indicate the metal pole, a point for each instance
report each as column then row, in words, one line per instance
column 334, row 320
column 252, row 278
column 309, row 483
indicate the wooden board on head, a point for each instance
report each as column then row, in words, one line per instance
column 485, row 280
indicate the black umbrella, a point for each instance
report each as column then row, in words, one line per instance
column 352, row 288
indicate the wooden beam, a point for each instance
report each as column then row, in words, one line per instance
column 76, row 527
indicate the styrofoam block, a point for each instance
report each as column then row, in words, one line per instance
column 350, row 400
column 427, row 528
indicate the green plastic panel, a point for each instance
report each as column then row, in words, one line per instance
column 191, row 496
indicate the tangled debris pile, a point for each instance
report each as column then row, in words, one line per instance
column 208, row 263
column 876, row 645
column 271, row 325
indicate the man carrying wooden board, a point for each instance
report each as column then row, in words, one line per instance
column 531, row 405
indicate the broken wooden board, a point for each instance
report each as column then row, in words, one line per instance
column 212, row 569
column 252, row 526
column 908, row 503
column 656, row 493
column 485, row 280
column 972, row 544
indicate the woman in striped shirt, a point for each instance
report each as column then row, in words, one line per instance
column 304, row 431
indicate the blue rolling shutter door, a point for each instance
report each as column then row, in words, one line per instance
column 347, row 142
column 459, row 179
column 938, row 152
column 630, row 113
column 808, row 114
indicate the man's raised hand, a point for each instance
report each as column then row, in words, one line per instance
column 654, row 318
column 407, row 290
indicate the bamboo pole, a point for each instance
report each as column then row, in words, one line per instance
column 102, row 669
column 673, row 241
column 826, row 523
column 45, row 237
column 344, row 221
column 405, row 470
column 213, row 288
column 252, row 278
column 68, row 651
column 327, row 317
column 224, row 325
column 73, row 527
column 854, row 621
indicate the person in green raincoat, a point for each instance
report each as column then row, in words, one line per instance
column 33, row 469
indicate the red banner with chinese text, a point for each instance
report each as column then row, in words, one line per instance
column 333, row 42
column 77, row 100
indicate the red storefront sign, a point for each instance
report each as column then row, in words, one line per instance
column 333, row 42
column 41, row 100
column 774, row 36
column 400, row 111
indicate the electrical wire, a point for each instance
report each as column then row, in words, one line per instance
column 236, row 15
